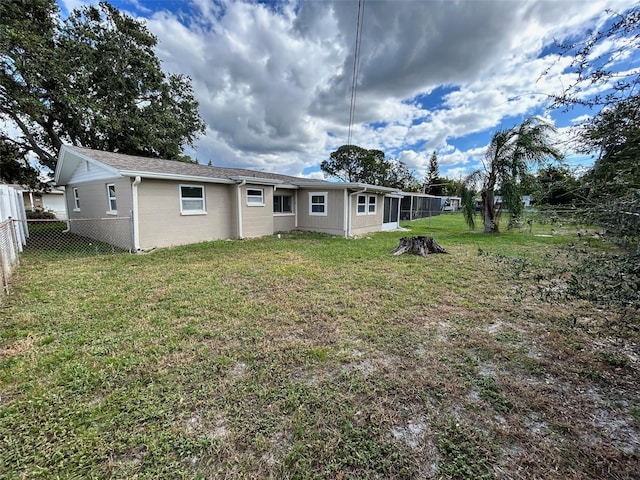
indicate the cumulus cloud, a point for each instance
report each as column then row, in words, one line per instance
column 274, row 81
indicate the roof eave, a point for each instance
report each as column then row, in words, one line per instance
column 175, row 176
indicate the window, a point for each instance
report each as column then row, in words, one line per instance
column 192, row 200
column 111, row 197
column 366, row 205
column 76, row 200
column 372, row 205
column 255, row 197
column 318, row 203
column 282, row 204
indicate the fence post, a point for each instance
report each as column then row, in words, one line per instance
column 14, row 238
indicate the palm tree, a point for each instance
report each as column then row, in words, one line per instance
column 506, row 161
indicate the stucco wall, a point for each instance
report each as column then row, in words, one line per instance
column 162, row 225
column 257, row 220
column 361, row 224
column 114, row 229
column 332, row 223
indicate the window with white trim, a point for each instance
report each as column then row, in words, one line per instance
column 192, row 200
column 318, row 203
column 372, row 205
column 282, row 204
column 366, row 205
column 76, row 199
column 111, row 198
column 255, row 197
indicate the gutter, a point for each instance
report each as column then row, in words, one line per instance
column 136, row 220
column 239, row 195
column 350, row 216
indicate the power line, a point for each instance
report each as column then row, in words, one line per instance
column 356, row 62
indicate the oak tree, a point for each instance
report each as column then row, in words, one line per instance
column 91, row 79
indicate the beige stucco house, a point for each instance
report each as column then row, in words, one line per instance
column 176, row 203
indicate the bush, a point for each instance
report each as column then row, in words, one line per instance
column 40, row 215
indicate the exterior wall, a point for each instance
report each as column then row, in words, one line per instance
column 94, row 218
column 332, row 223
column 285, row 222
column 94, row 201
column 361, row 224
column 86, row 172
column 257, row 220
column 56, row 204
column 162, row 225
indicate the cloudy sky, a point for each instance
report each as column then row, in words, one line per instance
column 274, row 78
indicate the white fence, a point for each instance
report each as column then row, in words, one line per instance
column 13, row 235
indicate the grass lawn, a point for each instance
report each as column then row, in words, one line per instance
column 313, row 356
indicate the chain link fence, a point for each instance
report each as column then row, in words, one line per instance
column 78, row 237
column 48, row 240
column 9, row 253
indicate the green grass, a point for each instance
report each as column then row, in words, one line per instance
column 311, row 356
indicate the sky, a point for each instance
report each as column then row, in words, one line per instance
column 274, row 78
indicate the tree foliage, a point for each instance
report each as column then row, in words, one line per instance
column 433, row 184
column 92, row 80
column 593, row 59
column 506, row 162
column 351, row 163
column 606, row 62
column 612, row 185
column 555, row 185
column 15, row 167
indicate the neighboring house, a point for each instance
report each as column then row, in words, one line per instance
column 451, row 204
column 498, row 201
column 51, row 200
column 176, row 203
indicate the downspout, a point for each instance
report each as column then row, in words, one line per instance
column 134, row 214
column 351, row 210
column 295, row 209
column 239, row 186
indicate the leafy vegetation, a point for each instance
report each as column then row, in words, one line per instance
column 310, row 356
column 90, row 80
column 351, row 163
column 507, row 161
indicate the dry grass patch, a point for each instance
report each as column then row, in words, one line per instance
column 314, row 357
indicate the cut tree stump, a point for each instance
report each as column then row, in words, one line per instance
column 422, row 246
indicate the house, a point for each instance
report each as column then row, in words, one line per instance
column 451, row 204
column 176, row 203
column 50, row 200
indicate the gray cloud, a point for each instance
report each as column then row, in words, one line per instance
column 274, row 84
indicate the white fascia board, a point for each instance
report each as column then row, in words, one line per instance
column 348, row 186
column 257, row 180
column 183, row 178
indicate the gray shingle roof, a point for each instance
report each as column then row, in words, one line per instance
column 133, row 163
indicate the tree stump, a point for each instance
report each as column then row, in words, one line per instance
column 422, row 246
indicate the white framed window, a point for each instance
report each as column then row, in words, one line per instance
column 373, row 203
column 367, row 205
column 318, row 203
column 282, row 204
column 192, row 200
column 76, row 200
column 255, row 197
column 111, row 199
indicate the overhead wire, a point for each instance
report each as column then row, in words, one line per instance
column 356, row 66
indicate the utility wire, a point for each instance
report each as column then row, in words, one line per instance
column 356, row 62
